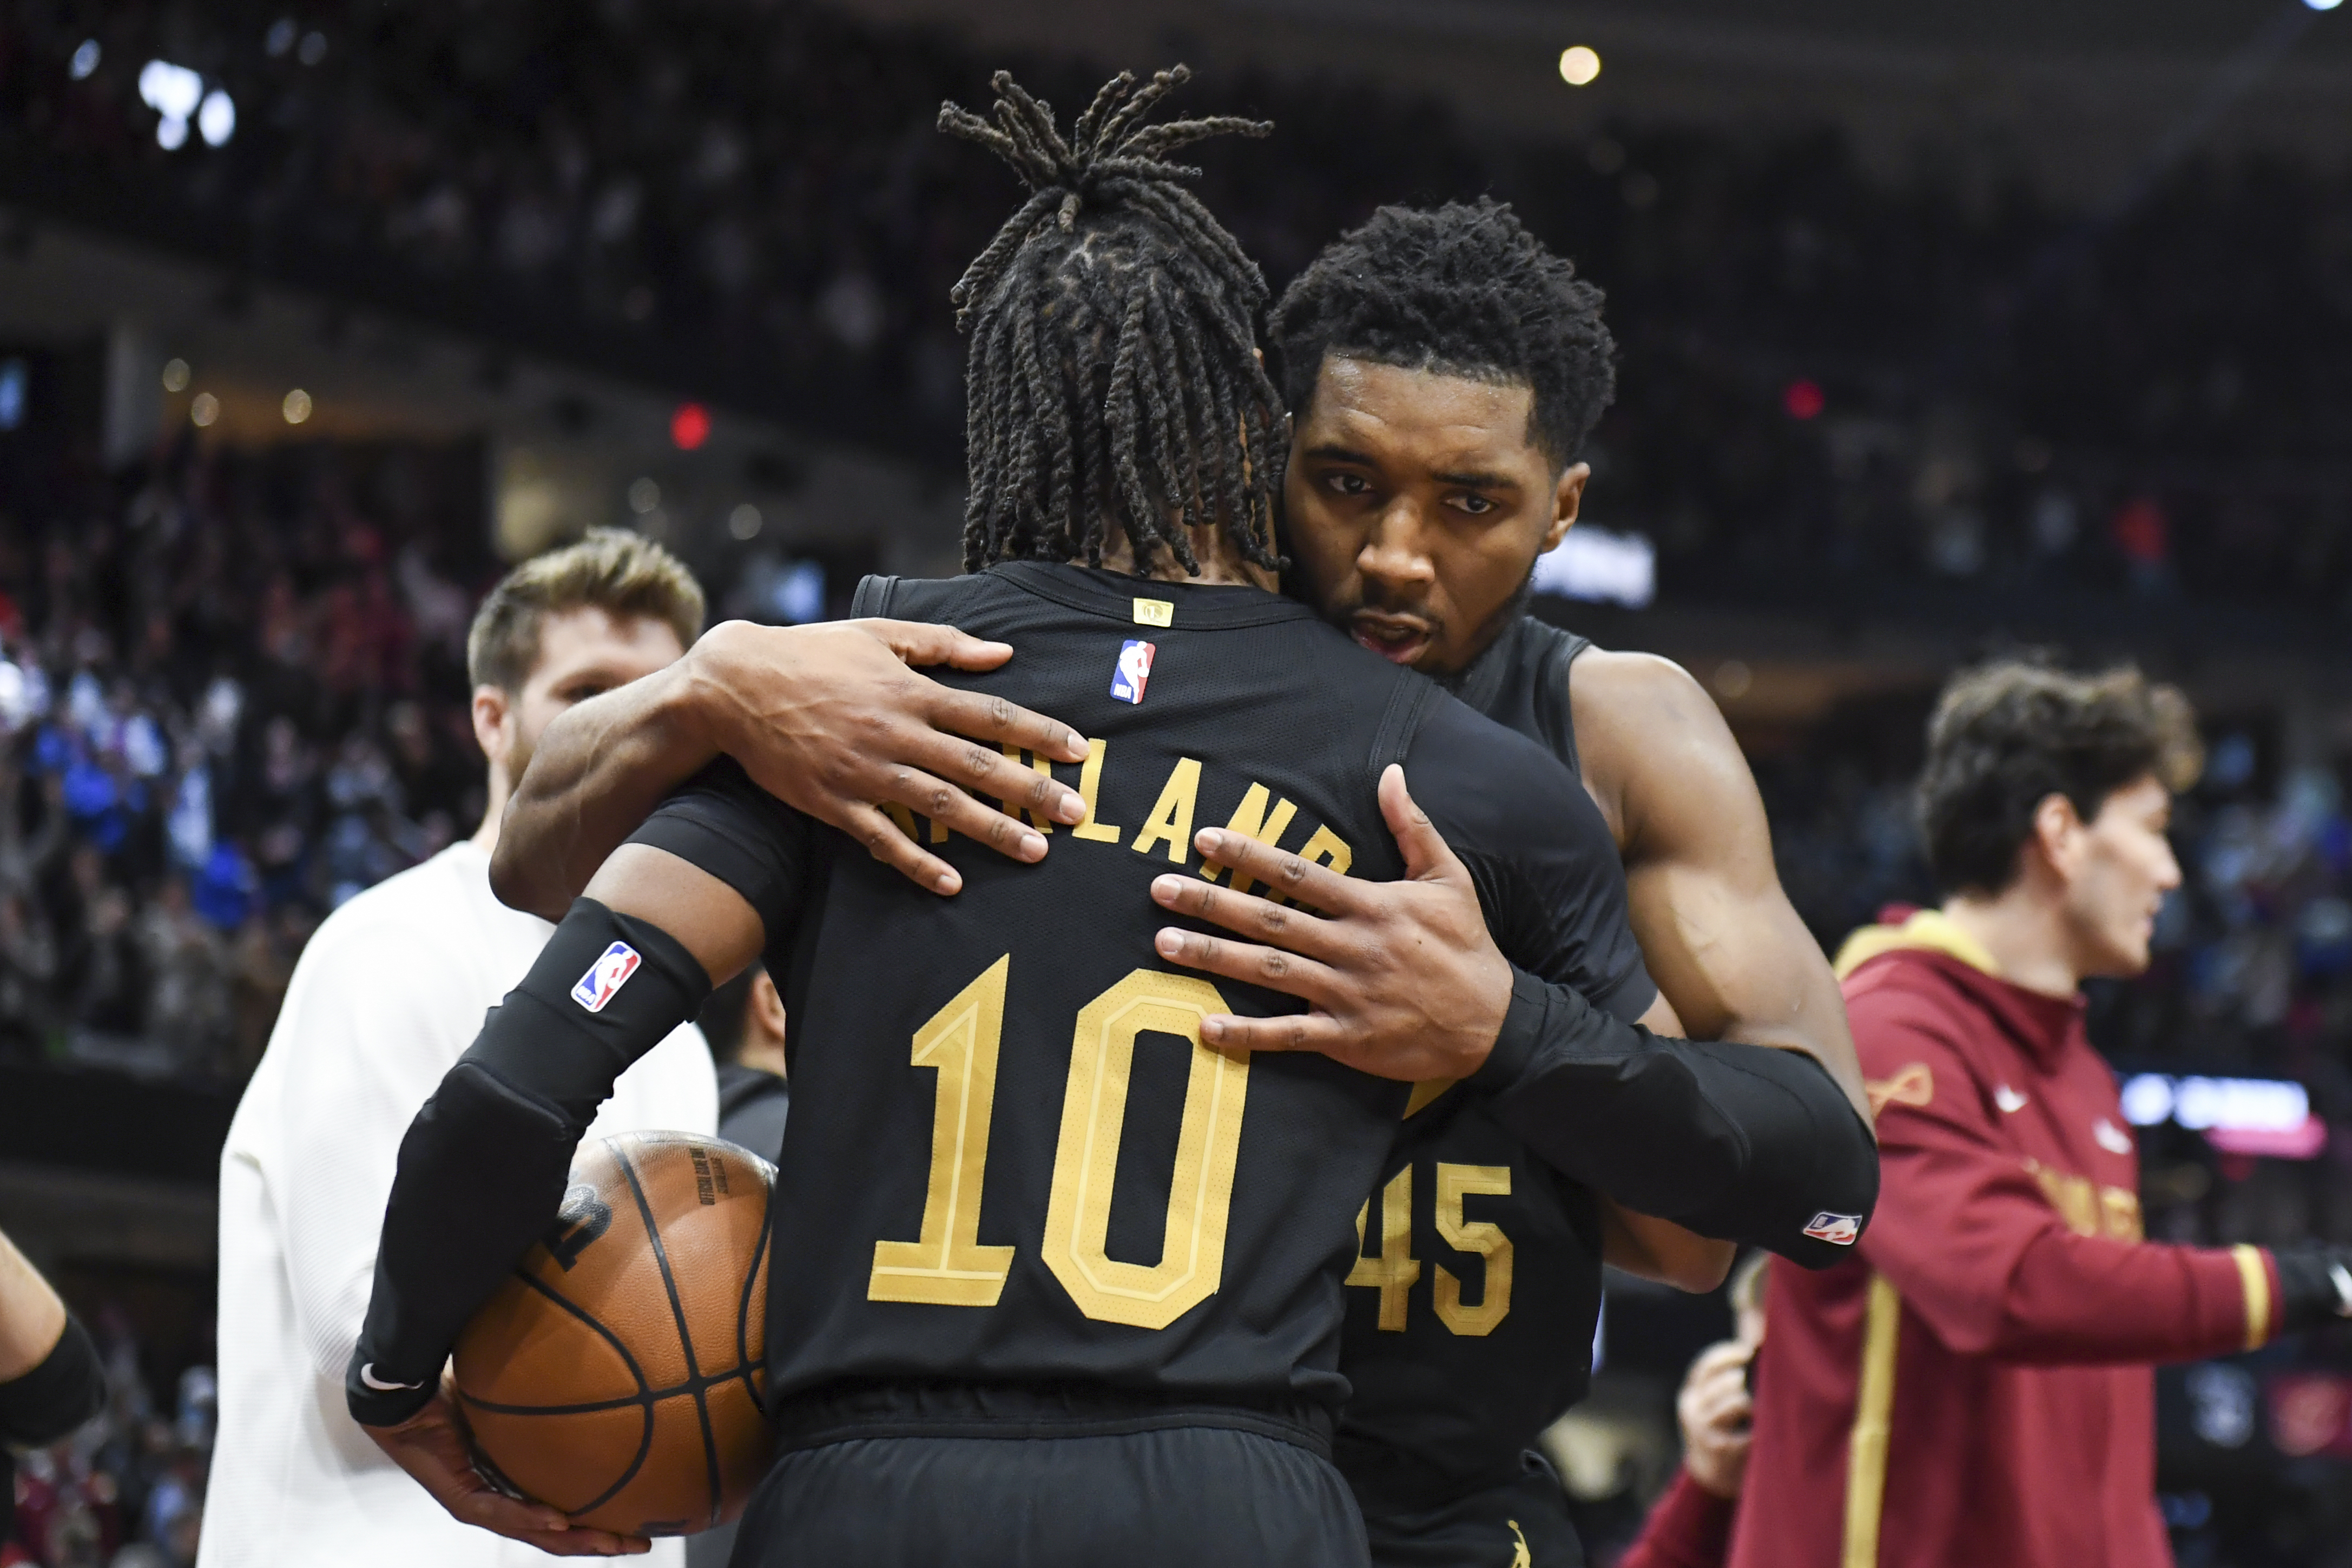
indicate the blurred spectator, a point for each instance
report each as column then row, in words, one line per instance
column 1690, row 1526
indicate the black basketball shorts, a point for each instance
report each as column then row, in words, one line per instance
column 1518, row 1523
column 1171, row 1497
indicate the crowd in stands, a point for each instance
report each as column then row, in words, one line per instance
column 233, row 695
column 1826, row 376
column 127, row 1490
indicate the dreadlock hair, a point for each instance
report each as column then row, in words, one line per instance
column 1461, row 290
column 1112, row 368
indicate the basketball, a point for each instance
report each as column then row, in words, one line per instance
column 617, row 1374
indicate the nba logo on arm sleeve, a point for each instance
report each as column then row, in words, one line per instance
column 1837, row 1229
column 1133, row 672
column 606, row 977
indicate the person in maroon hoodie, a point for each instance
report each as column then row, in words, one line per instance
column 1975, row 1387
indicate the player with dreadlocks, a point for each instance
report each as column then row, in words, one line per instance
column 1112, row 361
column 1067, row 1215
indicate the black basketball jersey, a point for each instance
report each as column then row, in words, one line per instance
column 1010, row 1158
column 1477, row 1292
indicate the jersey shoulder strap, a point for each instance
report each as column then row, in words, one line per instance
column 1550, row 652
column 1408, row 709
column 872, row 599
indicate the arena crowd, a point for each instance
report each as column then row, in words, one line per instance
column 1829, row 377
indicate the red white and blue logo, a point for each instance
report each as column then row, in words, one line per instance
column 606, row 977
column 1133, row 672
column 1837, row 1229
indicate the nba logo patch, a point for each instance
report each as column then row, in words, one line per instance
column 1837, row 1229
column 606, row 977
column 1133, row 672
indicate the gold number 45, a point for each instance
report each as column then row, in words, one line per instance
column 1393, row 1272
column 947, row 1266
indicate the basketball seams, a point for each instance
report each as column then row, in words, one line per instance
column 644, row 1398
column 685, row 1336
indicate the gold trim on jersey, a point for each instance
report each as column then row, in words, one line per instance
column 1427, row 1093
column 2255, row 1277
column 1873, row 1411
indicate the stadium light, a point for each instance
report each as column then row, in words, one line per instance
column 217, row 120
column 1578, row 65
column 2323, row 5
column 172, row 91
column 85, row 61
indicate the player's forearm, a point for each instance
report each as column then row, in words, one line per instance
column 483, row 1166
column 599, row 770
column 31, row 1315
column 1739, row 1143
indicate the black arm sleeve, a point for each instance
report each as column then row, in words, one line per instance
column 65, row 1389
column 483, row 1167
column 1742, row 1142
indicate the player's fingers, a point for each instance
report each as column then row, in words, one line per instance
column 925, row 796
column 886, row 842
column 1292, row 1032
column 478, row 1505
column 988, row 769
column 1722, row 1353
column 920, row 644
column 1267, row 966
column 987, row 718
column 1426, row 852
column 1281, row 871
column 1295, row 929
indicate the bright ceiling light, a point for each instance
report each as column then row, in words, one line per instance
column 217, row 121
column 1578, row 65
column 173, row 93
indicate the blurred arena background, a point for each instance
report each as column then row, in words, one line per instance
column 1946, row 328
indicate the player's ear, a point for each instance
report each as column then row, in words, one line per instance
column 493, row 715
column 1567, row 500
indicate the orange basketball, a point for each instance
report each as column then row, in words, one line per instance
column 618, row 1374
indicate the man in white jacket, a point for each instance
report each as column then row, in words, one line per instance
column 386, row 997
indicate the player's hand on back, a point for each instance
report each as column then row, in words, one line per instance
column 835, row 721
column 433, row 1447
column 1401, row 978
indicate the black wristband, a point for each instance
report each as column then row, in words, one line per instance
column 2315, row 1287
column 64, row 1390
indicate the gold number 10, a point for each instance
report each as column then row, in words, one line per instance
column 947, row 1266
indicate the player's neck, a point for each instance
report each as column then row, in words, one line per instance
column 493, row 810
column 2026, row 933
column 1220, row 560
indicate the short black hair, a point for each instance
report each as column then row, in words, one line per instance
column 1113, row 363
column 1462, row 290
column 2006, row 736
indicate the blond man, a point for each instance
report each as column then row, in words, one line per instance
column 387, row 995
